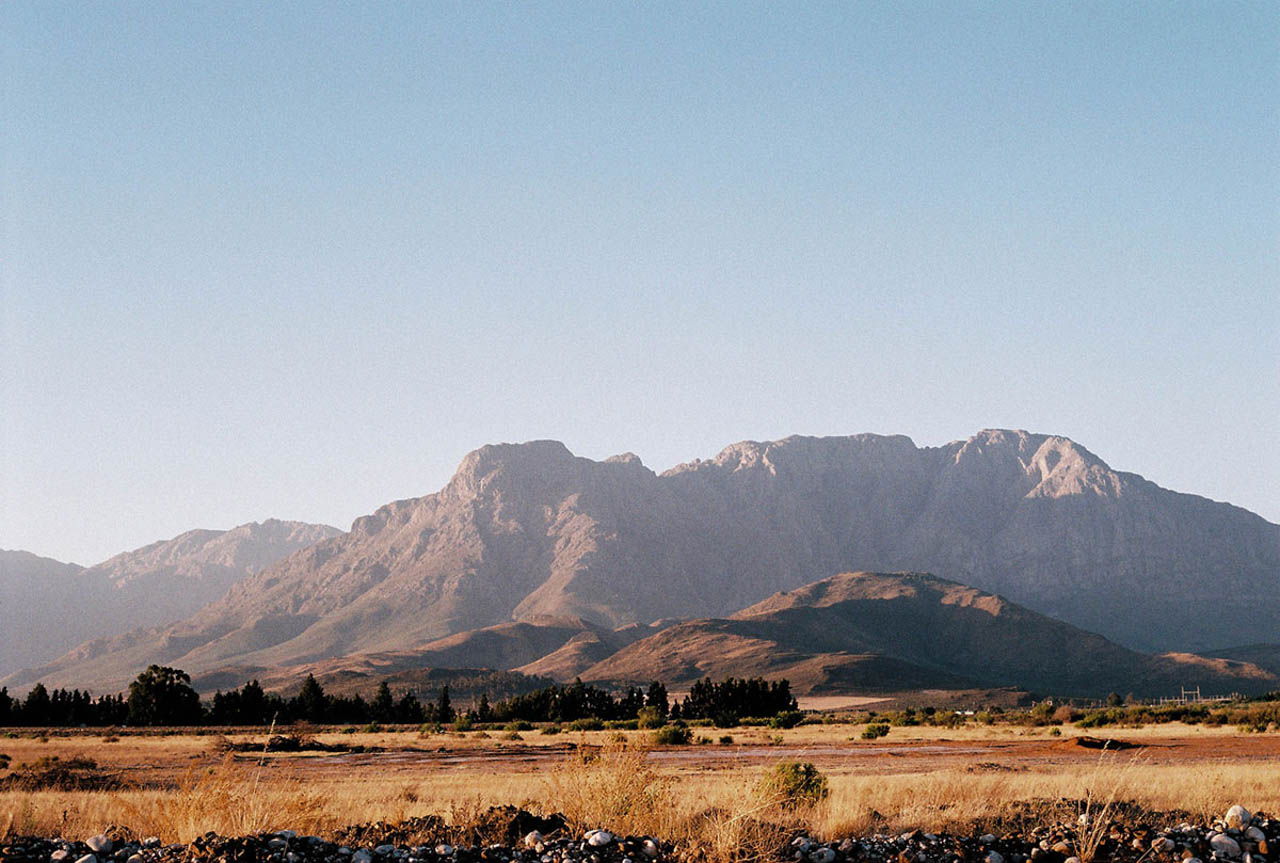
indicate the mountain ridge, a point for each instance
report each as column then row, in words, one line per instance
column 157, row 583
column 528, row 530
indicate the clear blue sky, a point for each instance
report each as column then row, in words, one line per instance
column 295, row 260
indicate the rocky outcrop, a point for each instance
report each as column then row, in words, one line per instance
column 528, row 530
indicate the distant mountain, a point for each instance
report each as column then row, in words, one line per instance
column 40, row 608
column 529, row 530
column 1265, row 656
column 877, row 632
column 48, row 607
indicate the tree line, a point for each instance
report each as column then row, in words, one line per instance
column 162, row 696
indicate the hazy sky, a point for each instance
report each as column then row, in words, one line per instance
column 295, row 260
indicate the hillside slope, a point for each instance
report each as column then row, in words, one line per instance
column 47, row 608
column 530, row 530
column 876, row 632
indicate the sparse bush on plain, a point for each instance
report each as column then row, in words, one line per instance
column 787, row 719
column 794, row 784
column 672, row 735
column 650, row 717
column 875, row 730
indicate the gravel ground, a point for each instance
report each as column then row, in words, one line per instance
column 1238, row 837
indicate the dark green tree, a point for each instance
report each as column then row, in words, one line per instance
column 657, row 697
column 37, row 708
column 163, row 696
column 383, row 707
column 312, row 704
column 444, row 708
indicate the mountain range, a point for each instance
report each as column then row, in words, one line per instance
column 527, row 533
column 48, row 607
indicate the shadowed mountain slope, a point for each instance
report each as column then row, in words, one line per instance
column 530, row 530
column 870, row 632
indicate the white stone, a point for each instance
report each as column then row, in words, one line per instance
column 1223, row 844
column 385, row 849
column 650, row 848
column 99, row 844
column 1238, row 817
column 599, row 838
column 822, row 855
column 995, row 857
column 987, row 838
column 1072, row 860
column 59, row 855
column 444, row 850
column 362, row 856
column 532, row 838
column 88, row 858
column 1255, row 833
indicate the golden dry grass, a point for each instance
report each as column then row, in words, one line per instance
column 707, row 801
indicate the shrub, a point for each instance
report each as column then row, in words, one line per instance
column 793, row 784
column 725, row 719
column 372, row 728
column 551, row 730
column 518, row 725
column 787, row 719
column 672, row 735
column 649, row 717
column 726, row 739
column 875, row 730
column 590, row 723
column 463, row 723
column 512, row 735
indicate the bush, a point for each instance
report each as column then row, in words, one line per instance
column 518, row 725
column 793, row 784
column 787, row 719
column 588, row 724
column 725, row 719
column 622, row 724
column 649, row 717
column 726, row 739
column 551, row 730
column 462, row 723
column 672, row 735
column 875, row 730
column 372, row 728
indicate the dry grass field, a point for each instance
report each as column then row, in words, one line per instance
column 180, row 786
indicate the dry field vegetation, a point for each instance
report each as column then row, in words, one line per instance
column 708, row 796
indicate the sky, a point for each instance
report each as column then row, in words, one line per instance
column 295, row 260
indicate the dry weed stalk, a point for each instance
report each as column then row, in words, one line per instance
column 612, row 787
column 1101, row 793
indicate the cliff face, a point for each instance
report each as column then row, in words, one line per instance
column 528, row 530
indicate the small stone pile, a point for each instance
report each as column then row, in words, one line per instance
column 285, row 846
column 1238, row 837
